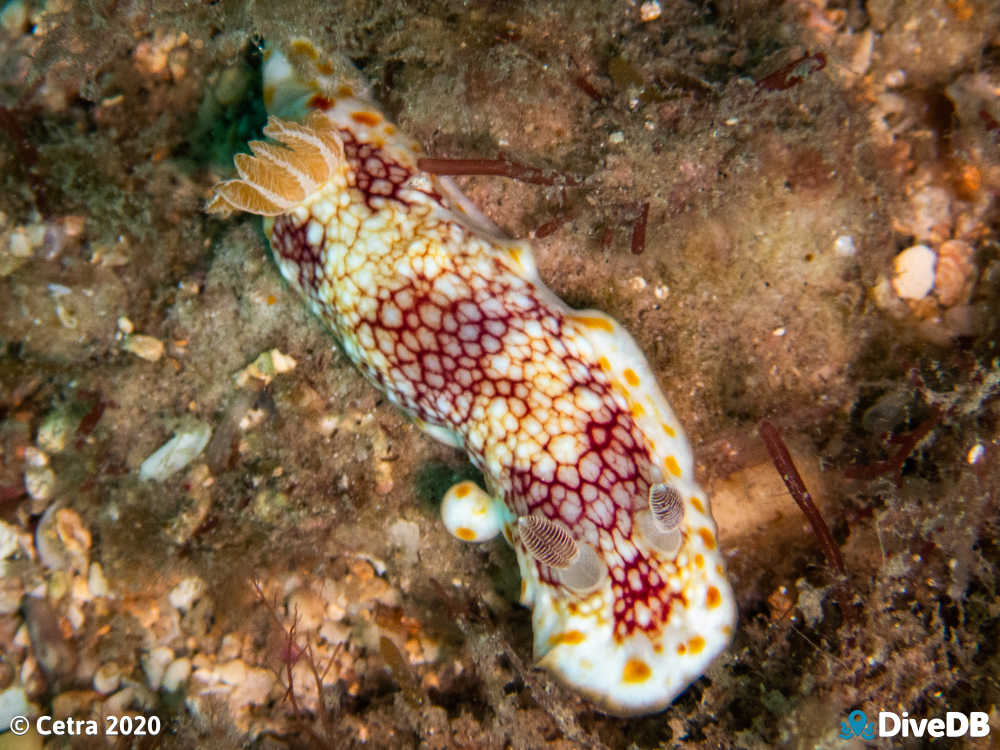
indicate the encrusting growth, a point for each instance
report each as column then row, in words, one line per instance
column 588, row 473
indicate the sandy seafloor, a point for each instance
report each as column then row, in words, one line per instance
column 768, row 287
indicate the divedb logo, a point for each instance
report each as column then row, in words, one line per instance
column 891, row 724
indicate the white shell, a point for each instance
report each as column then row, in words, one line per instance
column 176, row 453
column 914, row 276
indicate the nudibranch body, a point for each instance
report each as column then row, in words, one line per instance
column 588, row 474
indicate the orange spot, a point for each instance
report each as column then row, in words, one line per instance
column 271, row 299
column 598, row 324
column 572, row 637
column 467, row 534
column 696, row 644
column 681, row 648
column 668, row 429
column 325, row 68
column 962, row 10
column 699, row 560
column 345, row 90
column 727, row 629
column 605, row 365
column 719, row 570
column 630, row 377
column 658, row 648
column 713, row 599
column 462, row 490
column 366, row 118
column 637, row 410
column 708, row 538
column 697, row 505
column 671, row 464
column 524, row 587
column 302, row 47
column 636, row 671
column 970, row 180
column 390, row 129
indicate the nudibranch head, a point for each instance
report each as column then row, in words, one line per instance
column 588, row 472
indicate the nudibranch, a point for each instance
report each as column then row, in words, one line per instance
column 588, row 474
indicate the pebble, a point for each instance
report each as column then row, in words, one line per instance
column 155, row 663
column 74, row 616
column 39, row 479
column 120, row 701
column 10, row 540
column 176, row 453
column 956, row 273
column 308, row 606
column 18, row 244
column 75, row 537
column 931, row 214
column 62, row 541
column 976, row 452
column 265, row 367
column 11, row 591
column 17, row 247
column 148, row 348
column 73, row 703
column 649, row 11
column 176, row 674
column 333, row 595
column 231, row 672
column 13, row 19
column 844, row 246
column 184, row 594
column 107, row 678
column 914, row 272
column 230, row 647
column 252, row 685
column 96, row 581
column 54, row 431
column 14, row 702
column 21, row 637
column 334, row 632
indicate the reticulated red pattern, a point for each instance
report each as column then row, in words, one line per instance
column 374, row 172
column 289, row 241
column 473, row 347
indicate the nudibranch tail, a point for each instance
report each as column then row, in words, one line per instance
column 588, row 473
